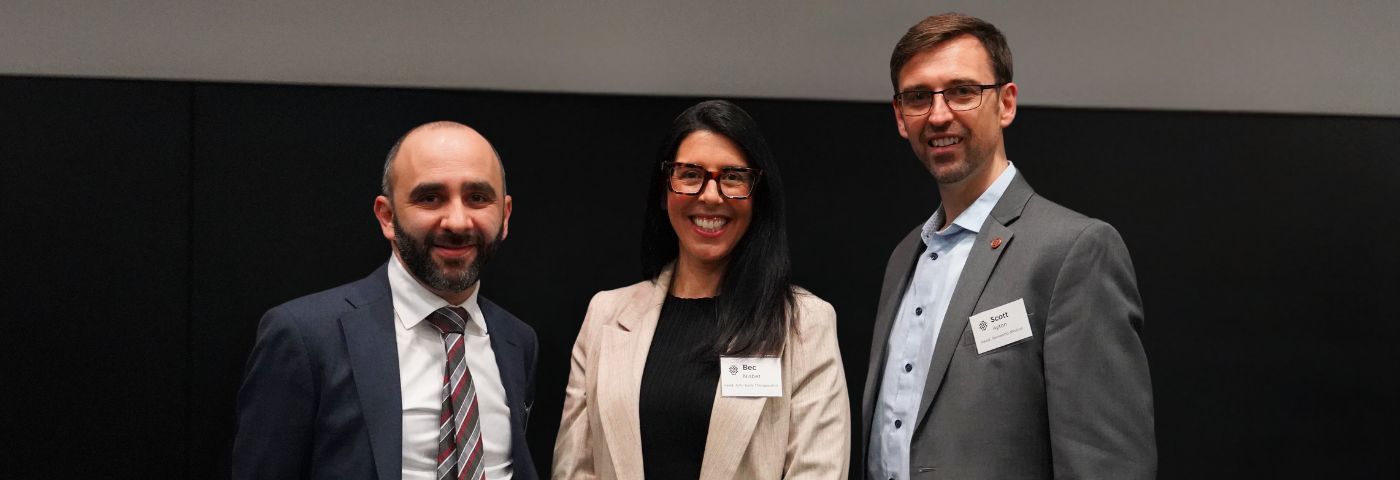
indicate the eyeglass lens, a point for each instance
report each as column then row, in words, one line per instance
column 959, row 98
column 691, row 180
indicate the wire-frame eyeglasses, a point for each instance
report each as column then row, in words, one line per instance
column 959, row 98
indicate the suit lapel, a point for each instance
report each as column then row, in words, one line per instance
column 622, row 359
column 897, row 274
column 732, row 421
column 506, row 348
column 374, row 361
column 981, row 261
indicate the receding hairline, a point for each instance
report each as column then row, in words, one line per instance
column 386, row 182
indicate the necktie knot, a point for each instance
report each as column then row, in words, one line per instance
column 449, row 320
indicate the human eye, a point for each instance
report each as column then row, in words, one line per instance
column 963, row 91
column 689, row 173
column 735, row 177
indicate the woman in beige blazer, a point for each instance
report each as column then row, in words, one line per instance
column 715, row 366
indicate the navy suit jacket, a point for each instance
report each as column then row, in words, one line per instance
column 320, row 398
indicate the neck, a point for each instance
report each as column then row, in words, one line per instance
column 693, row 279
column 958, row 196
column 455, row 298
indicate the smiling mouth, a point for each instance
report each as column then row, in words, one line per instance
column 453, row 250
column 945, row 142
column 709, row 224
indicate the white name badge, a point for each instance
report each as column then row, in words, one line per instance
column 1000, row 326
column 751, row 376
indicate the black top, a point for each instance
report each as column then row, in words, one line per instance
column 678, row 389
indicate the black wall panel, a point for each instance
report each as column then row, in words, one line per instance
column 1264, row 252
column 95, row 268
column 1262, row 246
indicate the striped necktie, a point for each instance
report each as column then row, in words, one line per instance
column 459, row 426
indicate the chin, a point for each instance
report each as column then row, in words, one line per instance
column 708, row 257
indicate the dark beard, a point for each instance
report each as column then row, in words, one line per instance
column 419, row 259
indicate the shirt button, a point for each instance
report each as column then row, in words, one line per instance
column 919, row 311
column 908, row 367
column 933, row 255
column 898, row 423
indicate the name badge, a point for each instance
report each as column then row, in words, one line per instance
column 1000, row 326
column 751, row 376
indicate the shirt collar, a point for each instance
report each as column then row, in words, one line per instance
column 969, row 220
column 413, row 302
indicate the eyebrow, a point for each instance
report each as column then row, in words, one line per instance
column 477, row 186
column 425, row 188
column 951, row 83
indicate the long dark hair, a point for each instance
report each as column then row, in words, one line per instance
column 756, row 292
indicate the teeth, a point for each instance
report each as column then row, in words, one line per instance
column 708, row 224
column 946, row 141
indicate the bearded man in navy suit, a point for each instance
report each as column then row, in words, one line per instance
column 361, row 381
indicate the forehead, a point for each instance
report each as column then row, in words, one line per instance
column 447, row 156
column 961, row 59
column 710, row 149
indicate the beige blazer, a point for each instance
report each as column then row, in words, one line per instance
column 803, row 434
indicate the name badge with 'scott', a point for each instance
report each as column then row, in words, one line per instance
column 751, row 376
column 1000, row 326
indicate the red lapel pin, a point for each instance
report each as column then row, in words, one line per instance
column 996, row 243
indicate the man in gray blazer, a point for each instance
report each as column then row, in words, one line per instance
column 1007, row 341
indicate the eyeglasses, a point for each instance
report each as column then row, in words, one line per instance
column 690, row 179
column 959, row 98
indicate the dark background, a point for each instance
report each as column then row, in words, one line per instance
column 157, row 221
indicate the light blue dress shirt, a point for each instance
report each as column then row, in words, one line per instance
column 910, row 346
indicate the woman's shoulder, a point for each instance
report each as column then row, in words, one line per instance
column 607, row 300
column 811, row 308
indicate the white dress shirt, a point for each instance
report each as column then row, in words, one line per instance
column 422, row 359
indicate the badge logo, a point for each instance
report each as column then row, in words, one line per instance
column 733, row 370
column 982, row 325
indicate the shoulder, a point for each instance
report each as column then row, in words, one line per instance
column 502, row 318
column 811, row 308
column 320, row 309
column 1051, row 219
column 813, row 319
column 611, row 300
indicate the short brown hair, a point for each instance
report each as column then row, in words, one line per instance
column 937, row 29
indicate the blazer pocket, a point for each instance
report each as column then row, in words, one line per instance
column 1010, row 347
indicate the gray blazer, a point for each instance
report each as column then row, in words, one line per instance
column 1075, row 400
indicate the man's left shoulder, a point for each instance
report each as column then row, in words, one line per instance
column 1060, row 222
column 503, row 319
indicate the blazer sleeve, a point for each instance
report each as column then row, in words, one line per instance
column 573, row 452
column 819, row 440
column 1098, row 388
column 276, row 404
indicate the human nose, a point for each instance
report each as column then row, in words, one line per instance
column 456, row 218
column 709, row 192
column 938, row 111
